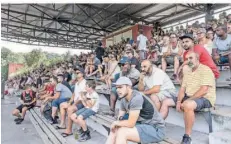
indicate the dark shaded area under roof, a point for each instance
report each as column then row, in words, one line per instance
column 82, row 25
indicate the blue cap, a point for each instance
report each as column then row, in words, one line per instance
column 124, row 60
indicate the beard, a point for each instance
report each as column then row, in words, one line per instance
column 148, row 72
column 125, row 73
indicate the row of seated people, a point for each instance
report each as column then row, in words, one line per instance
column 134, row 120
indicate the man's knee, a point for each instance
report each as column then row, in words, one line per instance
column 73, row 116
column 229, row 56
column 80, row 118
column 155, row 98
column 189, row 105
column 24, row 109
column 121, row 132
column 15, row 112
column 167, row 103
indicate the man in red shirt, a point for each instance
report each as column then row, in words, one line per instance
column 204, row 57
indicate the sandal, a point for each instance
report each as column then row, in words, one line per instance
column 58, row 127
column 66, row 134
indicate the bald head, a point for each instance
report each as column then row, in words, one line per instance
column 146, row 67
column 193, row 59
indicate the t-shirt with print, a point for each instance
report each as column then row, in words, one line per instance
column 94, row 98
column 28, row 98
column 133, row 74
column 158, row 77
column 65, row 92
column 79, row 87
column 148, row 112
column 204, row 59
column 192, row 81
column 222, row 45
column 142, row 42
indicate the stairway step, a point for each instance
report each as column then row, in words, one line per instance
column 220, row 137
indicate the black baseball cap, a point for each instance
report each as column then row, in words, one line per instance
column 79, row 69
column 190, row 36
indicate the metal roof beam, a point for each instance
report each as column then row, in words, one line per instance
column 159, row 11
column 171, row 15
column 193, row 8
column 32, row 15
column 89, row 16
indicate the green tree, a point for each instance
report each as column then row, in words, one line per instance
column 32, row 57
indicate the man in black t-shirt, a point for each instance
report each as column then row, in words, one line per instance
column 99, row 52
column 134, row 61
column 28, row 100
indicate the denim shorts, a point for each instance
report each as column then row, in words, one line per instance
column 85, row 112
column 57, row 102
column 201, row 102
column 148, row 133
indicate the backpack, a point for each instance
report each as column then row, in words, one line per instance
column 47, row 111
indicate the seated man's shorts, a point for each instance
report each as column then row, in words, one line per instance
column 57, row 102
column 22, row 106
column 224, row 60
column 85, row 112
column 201, row 102
column 150, row 133
column 168, row 93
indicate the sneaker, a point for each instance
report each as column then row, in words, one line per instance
column 85, row 136
column 19, row 121
column 186, row 139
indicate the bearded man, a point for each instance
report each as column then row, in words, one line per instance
column 156, row 84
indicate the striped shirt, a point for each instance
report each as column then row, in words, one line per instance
column 202, row 76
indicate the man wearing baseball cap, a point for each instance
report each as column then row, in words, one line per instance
column 127, row 70
column 204, row 57
column 138, row 121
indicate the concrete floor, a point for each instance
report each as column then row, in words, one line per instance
column 16, row 134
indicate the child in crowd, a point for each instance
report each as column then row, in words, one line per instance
column 90, row 104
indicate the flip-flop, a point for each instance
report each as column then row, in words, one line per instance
column 66, row 134
column 58, row 127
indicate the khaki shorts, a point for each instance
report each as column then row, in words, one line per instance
column 169, row 93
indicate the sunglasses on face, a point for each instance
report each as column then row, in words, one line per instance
column 199, row 33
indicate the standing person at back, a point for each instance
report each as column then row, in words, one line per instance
column 99, row 52
column 142, row 43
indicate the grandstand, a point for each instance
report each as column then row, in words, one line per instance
column 111, row 32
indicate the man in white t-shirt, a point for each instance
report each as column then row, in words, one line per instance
column 90, row 100
column 142, row 42
column 155, row 83
column 75, row 101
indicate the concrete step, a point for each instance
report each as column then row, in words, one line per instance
column 174, row 133
column 221, row 117
column 220, row 137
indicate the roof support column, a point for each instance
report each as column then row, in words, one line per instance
column 209, row 12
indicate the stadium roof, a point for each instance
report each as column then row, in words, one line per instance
column 81, row 25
